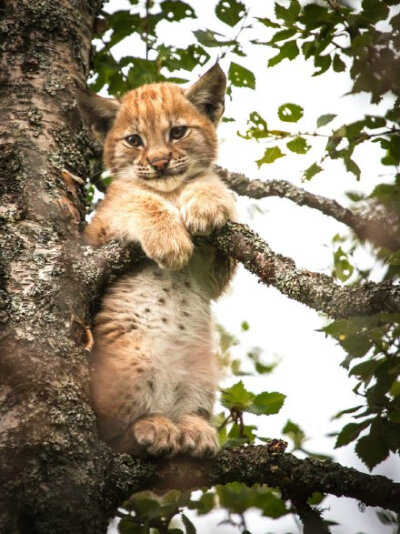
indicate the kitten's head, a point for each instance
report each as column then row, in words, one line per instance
column 160, row 133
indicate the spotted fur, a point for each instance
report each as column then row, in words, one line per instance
column 154, row 367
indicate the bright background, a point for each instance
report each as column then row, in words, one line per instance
column 309, row 372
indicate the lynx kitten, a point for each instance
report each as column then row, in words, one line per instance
column 154, row 368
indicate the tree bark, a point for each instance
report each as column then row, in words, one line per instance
column 52, row 464
column 55, row 475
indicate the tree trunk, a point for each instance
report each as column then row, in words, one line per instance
column 52, row 465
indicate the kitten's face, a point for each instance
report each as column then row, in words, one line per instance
column 159, row 137
column 159, row 134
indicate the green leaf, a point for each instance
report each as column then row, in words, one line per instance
column 245, row 326
column 372, row 450
column 356, row 345
column 209, row 38
column 189, row 527
column 374, row 10
column 176, row 10
column 241, row 77
column 288, row 14
column 271, row 505
column 267, row 403
column 311, row 171
column 258, row 128
column 350, row 432
column 127, row 526
column 290, row 112
column 230, row 11
column 342, row 267
column 288, row 50
column 270, row 155
column 282, row 35
column 323, row 120
column 365, row 370
column 237, row 397
column 268, row 22
column 295, row 433
column 351, row 166
column 298, row 145
column 338, row 64
column 323, row 62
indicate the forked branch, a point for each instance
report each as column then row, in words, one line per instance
column 377, row 227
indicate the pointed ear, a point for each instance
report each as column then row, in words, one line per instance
column 98, row 111
column 208, row 93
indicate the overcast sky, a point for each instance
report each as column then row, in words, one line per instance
column 309, row 372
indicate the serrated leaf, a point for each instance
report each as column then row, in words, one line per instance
column 237, row 396
column 298, row 145
column 290, row 112
column 230, row 11
column 270, row 155
column 350, row 432
column 268, row 22
column 267, row 403
column 282, row 35
column 311, row 171
column 372, row 450
column 288, row 50
column 323, row 120
column 241, row 77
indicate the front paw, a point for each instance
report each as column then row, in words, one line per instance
column 198, row 437
column 203, row 217
column 158, row 435
column 171, row 248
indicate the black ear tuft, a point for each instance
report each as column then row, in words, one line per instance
column 98, row 111
column 208, row 93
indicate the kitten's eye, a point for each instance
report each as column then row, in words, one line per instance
column 134, row 140
column 177, row 132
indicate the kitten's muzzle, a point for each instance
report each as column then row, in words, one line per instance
column 160, row 164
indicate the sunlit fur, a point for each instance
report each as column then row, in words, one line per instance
column 154, row 367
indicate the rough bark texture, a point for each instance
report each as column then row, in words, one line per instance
column 375, row 224
column 316, row 290
column 52, row 465
column 297, row 479
column 55, row 475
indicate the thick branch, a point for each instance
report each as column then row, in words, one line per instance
column 376, row 227
column 316, row 290
column 296, row 478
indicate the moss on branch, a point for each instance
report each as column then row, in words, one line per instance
column 318, row 291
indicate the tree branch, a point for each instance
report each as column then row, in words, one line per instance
column 316, row 290
column 296, row 478
column 376, row 227
column 310, row 517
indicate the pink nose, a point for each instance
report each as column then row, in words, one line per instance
column 160, row 163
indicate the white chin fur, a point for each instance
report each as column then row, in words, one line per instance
column 164, row 184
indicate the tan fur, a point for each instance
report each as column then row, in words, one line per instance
column 154, row 366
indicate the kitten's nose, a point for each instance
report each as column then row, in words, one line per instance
column 160, row 163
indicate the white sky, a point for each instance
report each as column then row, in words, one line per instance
column 309, row 372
